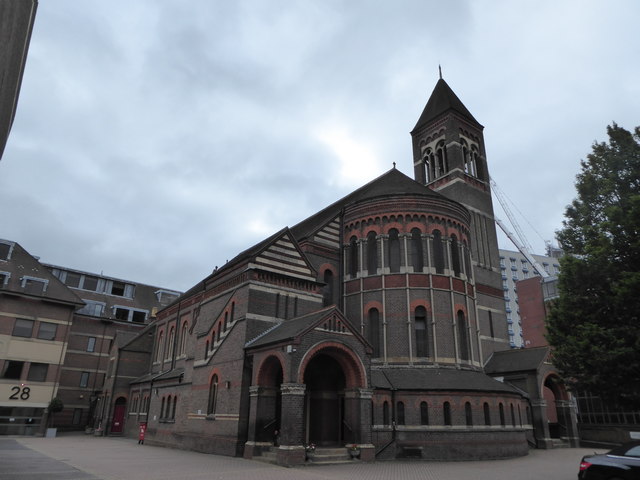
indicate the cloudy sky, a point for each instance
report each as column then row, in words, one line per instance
column 155, row 140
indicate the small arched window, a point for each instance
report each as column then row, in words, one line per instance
column 422, row 334
column 394, row 250
column 172, row 334
column 353, row 257
column 162, row 408
column 373, row 327
column 213, row 396
column 372, row 253
column 455, row 256
column 442, row 162
column 438, row 251
column 183, row 338
column 487, row 414
column 329, row 285
column 463, row 339
column 160, row 346
column 400, row 413
column 424, row 413
column 385, row 413
column 226, row 321
column 513, row 416
column 501, row 410
column 417, row 256
column 173, row 410
column 468, row 414
column 446, row 413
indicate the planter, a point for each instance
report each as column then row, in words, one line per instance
column 51, row 432
column 354, row 452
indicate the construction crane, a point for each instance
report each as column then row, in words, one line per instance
column 520, row 241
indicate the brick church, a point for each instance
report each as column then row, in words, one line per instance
column 370, row 325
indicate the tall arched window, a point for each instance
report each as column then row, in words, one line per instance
column 468, row 414
column 183, row 338
column 373, row 327
column 327, row 296
column 400, row 413
column 233, row 308
column 424, row 413
column 394, row 250
column 455, row 256
column 487, row 414
column 513, row 416
column 173, row 410
column 442, row 161
column 226, row 321
column 159, row 350
column 422, row 334
column 438, row 251
column 385, row 413
column 353, row 257
column 446, row 412
column 463, row 340
column 213, row 396
column 431, row 165
column 501, row 410
column 372, row 253
column 417, row 257
column 172, row 334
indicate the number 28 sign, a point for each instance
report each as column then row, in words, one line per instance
column 20, row 393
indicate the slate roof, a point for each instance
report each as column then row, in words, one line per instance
column 290, row 329
column 525, row 359
column 442, row 100
column 436, row 379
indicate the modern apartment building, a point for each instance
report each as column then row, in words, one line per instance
column 515, row 267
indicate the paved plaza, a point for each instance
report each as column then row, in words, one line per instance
column 83, row 457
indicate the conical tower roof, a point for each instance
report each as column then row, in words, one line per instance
column 442, row 100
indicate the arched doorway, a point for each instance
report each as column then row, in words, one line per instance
column 269, row 416
column 119, row 410
column 325, row 403
column 554, row 393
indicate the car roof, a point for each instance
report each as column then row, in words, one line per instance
column 624, row 448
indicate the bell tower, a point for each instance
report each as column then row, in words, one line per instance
column 449, row 157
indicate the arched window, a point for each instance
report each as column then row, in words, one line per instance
column 424, row 413
column 528, row 413
column 173, row 410
column 183, row 338
column 213, row 395
column 400, row 413
column 473, row 162
column 206, row 349
column 160, row 346
column 394, row 250
column 513, row 416
column 427, row 160
column 463, row 339
column 233, row 308
column 372, row 253
column 327, row 295
column 226, row 320
column 162, row 408
column 353, row 257
column 468, row 414
column 455, row 256
column 417, row 257
column 385, row 413
column 487, row 414
column 172, row 334
column 422, row 334
column 446, row 412
column 501, row 409
column 373, row 327
column 438, row 251
column 519, row 415
column 442, row 161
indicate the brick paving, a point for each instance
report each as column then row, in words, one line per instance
column 81, row 457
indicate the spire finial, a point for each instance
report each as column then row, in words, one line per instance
column 394, row 165
column 440, row 71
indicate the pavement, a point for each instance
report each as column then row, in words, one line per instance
column 85, row 457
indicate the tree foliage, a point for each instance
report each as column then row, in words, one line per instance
column 593, row 326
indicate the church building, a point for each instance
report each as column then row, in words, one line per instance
column 365, row 327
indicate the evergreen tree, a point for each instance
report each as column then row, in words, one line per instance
column 593, row 326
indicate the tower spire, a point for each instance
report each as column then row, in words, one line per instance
column 440, row 71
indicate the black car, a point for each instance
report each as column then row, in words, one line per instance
column 621, row 463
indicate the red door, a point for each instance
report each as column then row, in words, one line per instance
column 119, row 409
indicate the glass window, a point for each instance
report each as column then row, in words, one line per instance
column 23, row 328
column 394, row 250
column 424, row 413
column 139, row 316
column 468, row 413
column 38, row 372
column 213, row 396
column 47, row 331
column 84, row 379
column 12, row 369
column 5, row 250
column 117, row 288
column 72, row 280
column 446, row 411
column 422, row 336
column 77, row 416
column 34, row 285
column 372, row 253
column 90, row 283
column 91, row 344
column 400, row 412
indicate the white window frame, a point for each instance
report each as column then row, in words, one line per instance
column 24, row 279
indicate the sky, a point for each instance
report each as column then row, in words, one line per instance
column 154, row 141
